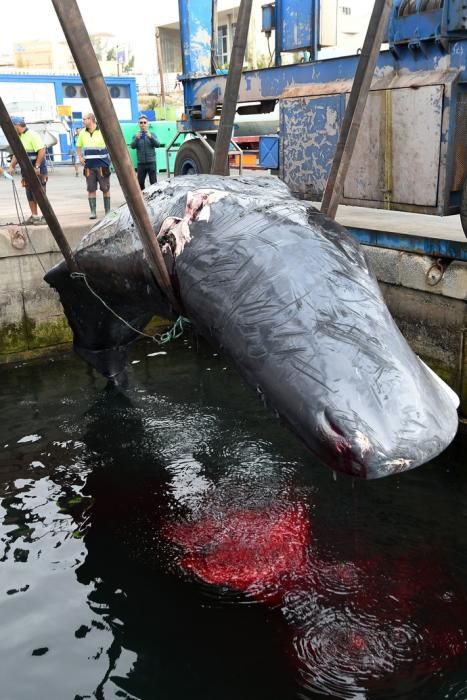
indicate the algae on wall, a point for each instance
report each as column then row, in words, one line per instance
column 29, row 338
column 31, row 320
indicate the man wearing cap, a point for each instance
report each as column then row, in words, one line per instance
column 35, row 149
column 145, row 144
column 94, row 156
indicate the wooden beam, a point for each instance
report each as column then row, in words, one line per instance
column 355, row 107
column 220, row 163
column 88, row 66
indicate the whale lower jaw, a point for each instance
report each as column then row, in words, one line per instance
column 354, row 453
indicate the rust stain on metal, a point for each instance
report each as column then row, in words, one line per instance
column 389, row 80
column 332, row 88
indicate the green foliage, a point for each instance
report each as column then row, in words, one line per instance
column 153, row 103
column 129, row 67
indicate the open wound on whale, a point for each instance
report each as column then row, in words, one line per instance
column 175, row 233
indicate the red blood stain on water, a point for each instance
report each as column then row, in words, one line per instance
column 354, row 624
column 246, row 549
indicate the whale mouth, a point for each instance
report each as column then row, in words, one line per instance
column 355, row 454
column 349, row 458
column 392, row 444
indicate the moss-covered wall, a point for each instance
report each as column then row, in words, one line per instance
column 30, row 335
column 26, row 336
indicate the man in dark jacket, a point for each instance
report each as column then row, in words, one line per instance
column 145, row 144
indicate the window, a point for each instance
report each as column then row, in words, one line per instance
column 114, row 91
column 222, row 45
column 83, row 92
column 70, row 91
column 171, row 51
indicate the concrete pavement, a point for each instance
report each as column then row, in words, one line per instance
column 68, row 197
column 444, row 227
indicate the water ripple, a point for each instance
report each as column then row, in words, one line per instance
column 343, row 654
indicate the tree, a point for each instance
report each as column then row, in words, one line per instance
column 128, row 67
column 111, row 55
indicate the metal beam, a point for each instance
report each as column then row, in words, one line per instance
column 229, row 107
column 83, row 53
column 411, row 243
column 215, row 24
column 33, row 181
column 267, row 84
column 196, row 36
column 355, row 107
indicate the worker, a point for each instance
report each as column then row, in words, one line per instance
column 35, row 149
column 73, row 154
column 145, row 144
column 94, row 156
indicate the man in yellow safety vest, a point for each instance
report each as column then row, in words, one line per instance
column 94, row 156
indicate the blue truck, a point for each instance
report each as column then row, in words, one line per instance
column 411, row 152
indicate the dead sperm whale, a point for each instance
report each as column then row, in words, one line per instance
column 288, row 295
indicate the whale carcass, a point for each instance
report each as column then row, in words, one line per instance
column 287, row 294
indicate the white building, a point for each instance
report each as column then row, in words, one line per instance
column 349, row 19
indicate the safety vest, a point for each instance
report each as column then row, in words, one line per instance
column 32, row 143
column 95, row 151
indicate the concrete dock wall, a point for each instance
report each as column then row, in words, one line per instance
column 31, row 316
column 428, row 302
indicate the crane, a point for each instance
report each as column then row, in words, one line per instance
column 411, row 152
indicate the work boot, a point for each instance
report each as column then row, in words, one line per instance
column 92, row 206
column 106, row 204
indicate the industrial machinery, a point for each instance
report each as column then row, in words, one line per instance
column 411, row 152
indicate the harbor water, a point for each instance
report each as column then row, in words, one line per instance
column 173, row 540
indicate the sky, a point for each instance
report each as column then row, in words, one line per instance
column 37, row 18
column 130, row 22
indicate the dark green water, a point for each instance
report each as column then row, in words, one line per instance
column 96, row 600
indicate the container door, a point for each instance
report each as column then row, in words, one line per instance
column 397, row 153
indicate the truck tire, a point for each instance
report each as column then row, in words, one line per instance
column 464, row 208
column 193, row 158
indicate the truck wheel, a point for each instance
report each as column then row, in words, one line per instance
column 464, row 208
column 193, row 158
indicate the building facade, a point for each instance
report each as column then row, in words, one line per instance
column 350, row 18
